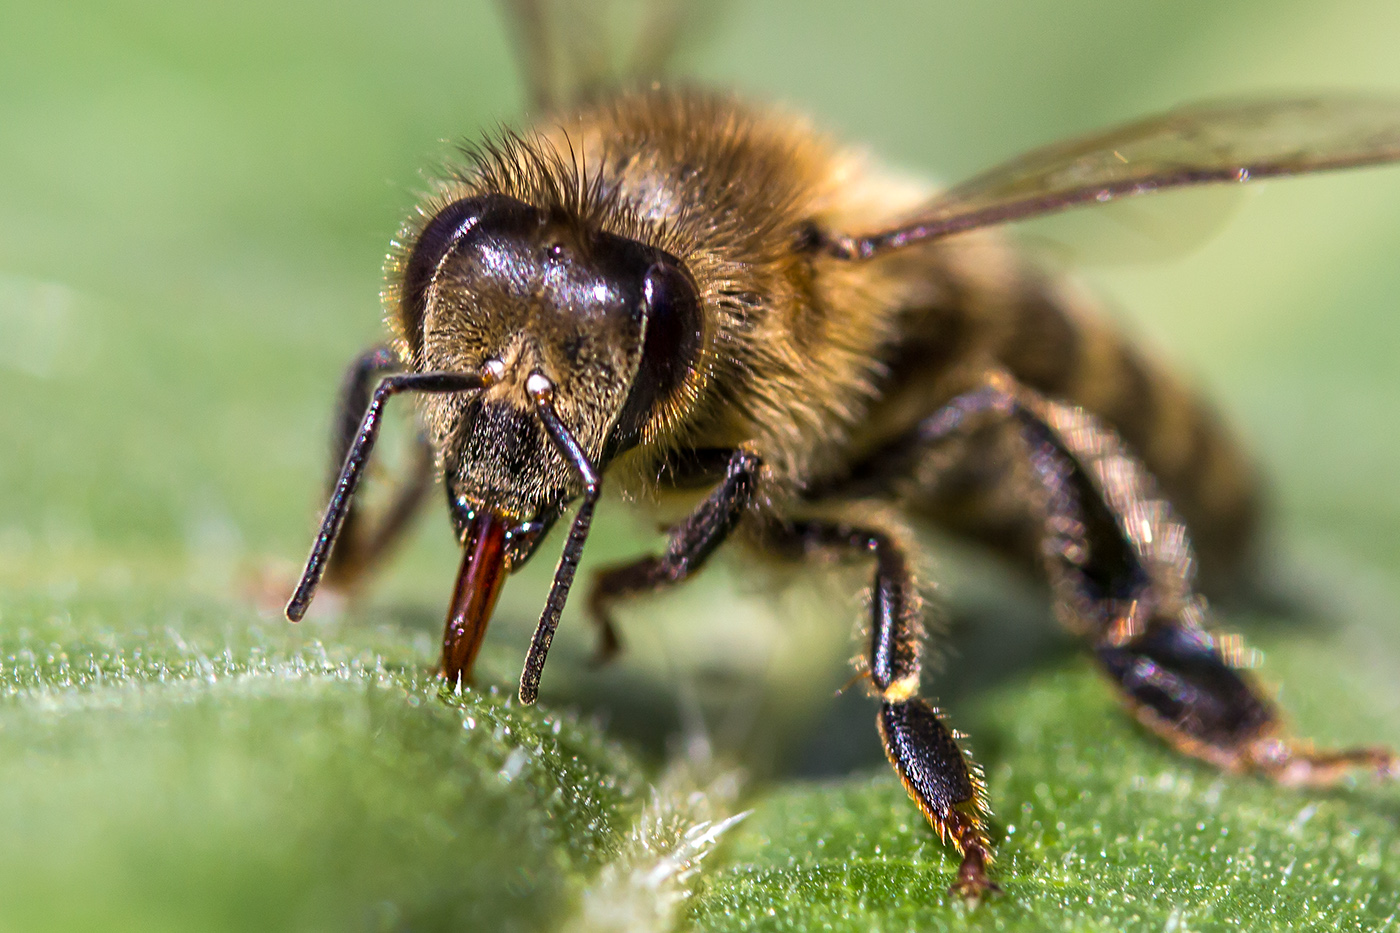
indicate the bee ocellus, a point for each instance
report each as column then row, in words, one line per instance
column 669, row 289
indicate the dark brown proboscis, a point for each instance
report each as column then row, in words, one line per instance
column 474, row 597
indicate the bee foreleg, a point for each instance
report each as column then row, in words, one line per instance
column 359, row 548
column 920, row 746
column 691, row 544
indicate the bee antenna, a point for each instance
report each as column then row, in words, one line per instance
column 542, row 390
column 350, row 472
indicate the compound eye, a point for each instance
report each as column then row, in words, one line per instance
column 671, row 306
column 670, row 316
column 447, row 227
column 449, row 230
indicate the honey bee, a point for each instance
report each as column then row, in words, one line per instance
column 689, row 294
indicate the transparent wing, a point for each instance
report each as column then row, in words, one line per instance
column 1136, row 230
column 575, row 50
column 1198, row 144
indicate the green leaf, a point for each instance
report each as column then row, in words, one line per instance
column 1100, row 828
column 154, row 781
column 195, row 200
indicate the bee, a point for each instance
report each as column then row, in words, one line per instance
column 691, row 295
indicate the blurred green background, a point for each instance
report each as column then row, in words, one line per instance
column 194, row 205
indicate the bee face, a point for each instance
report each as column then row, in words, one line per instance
column 497, row 285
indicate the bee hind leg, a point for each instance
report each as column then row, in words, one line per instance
column 691, row 544
column 1180, row 686
column 919, row 744
column 1121, row 567
column 361, row 545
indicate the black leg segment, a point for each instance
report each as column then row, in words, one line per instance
column 1178, row 674
column 919, row 745
column 348, row 479
column 691, row 544
column 1123, row 571
column 1123, row 574
column 896, row 608
column 358, row 548
column 926, row 756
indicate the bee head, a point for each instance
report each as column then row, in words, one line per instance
column 495, row 285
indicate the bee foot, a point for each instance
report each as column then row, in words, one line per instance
column 973, row 885
column 1298, row 764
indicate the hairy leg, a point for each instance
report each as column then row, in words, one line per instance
column 1122, row 572
column 692, row 542
column 918, row 743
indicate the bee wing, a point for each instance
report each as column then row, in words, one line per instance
column 1204, row 143
column 574, row 50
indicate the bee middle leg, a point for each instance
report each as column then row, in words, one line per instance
column 691, row 544
column 920, row 746
column 361, row 545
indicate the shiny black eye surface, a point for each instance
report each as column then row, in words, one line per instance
column 670, row 311
column 447, row 227
column 446, row 232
